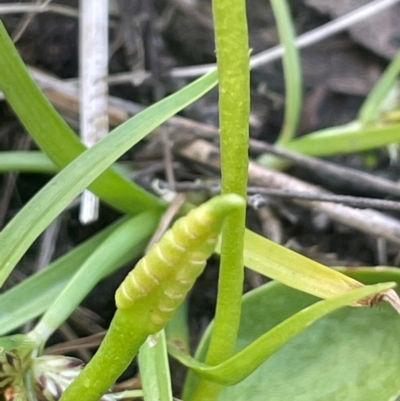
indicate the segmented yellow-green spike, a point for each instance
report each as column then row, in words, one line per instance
column 168, row 271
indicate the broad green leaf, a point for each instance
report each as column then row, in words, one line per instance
column 33, row 296
column 55, row 137
column 51, row 200
column 372, row 275
column 154, row 369
column 352, row 354
column 267, row 343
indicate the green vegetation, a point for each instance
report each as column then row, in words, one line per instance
column 278, row 341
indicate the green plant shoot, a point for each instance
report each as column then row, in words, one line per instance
column 151, row 293
column 233, row 71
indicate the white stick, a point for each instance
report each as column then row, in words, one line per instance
column 304, row 40
column 38, row 8
column 262, row 58
column 93, row 66
column 267, row 56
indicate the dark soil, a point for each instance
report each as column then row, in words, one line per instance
column 338, row 74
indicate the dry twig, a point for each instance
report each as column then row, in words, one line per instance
column 368, row 221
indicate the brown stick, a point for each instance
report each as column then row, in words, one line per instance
column 367, row 220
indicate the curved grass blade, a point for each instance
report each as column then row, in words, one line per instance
column 291, row 68
column 30, row 298
column 250, row 358
column 349, row 138
column 127, row 236
column 292, row 269
column 51, row 200
column 369, row 112
column 55, row 137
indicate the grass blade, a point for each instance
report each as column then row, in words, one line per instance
column 51, row 200
column 293, row 269
column 32, row 297
column 26, row 162
column 369, row 112
column 154, row 369
column 291, row 68
column 127, row 236
column 54, row 136
column 347, row 138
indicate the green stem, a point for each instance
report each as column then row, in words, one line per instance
column 291, row 69
column 293, row 82
column 150, row 294
column 370, row 108
column 126, row 334
column 233, row 69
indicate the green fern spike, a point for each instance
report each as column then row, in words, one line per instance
column 151, row 293
column 164, row 276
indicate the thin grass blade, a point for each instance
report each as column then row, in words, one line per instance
column 54, row 136
column 51, row 200
column 154, row 369
column 349, row 138
column 30, row 298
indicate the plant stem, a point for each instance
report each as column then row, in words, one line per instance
column 123, row 340
column 233, row 70
column 150, row 294
column 233, row 67
column 370, row 109
column 291, row 69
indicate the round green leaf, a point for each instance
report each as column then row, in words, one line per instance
column 352, row 354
